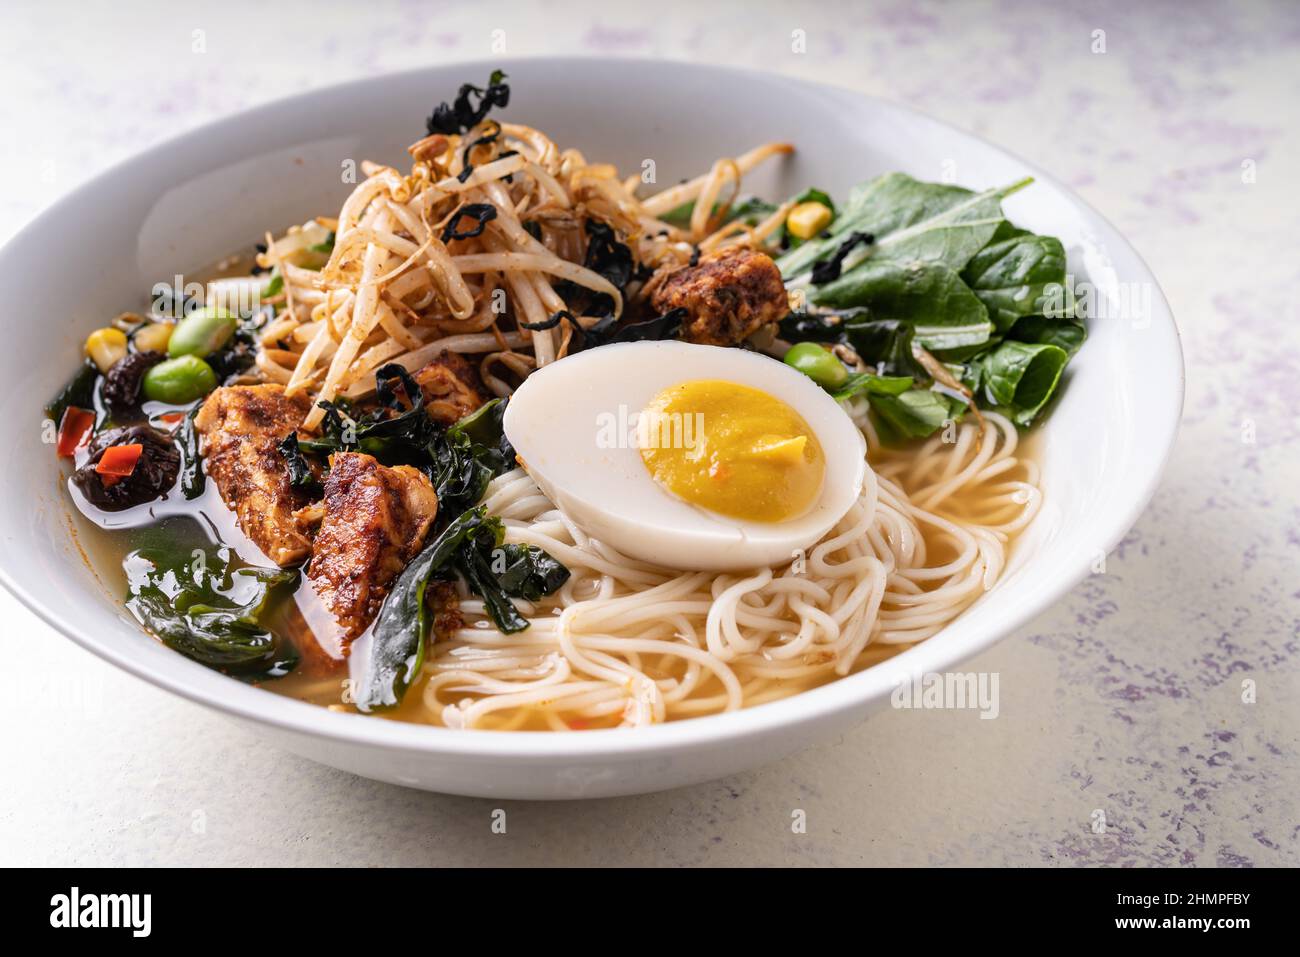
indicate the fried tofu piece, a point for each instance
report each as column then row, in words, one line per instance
column 375, row 521
column 728, row 296
column 451, row 387
column 240, row 427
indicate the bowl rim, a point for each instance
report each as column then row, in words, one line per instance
column 852, row 692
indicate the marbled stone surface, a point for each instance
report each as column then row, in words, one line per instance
column 1125, row 699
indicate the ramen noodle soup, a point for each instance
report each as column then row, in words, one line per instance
column 504, row 444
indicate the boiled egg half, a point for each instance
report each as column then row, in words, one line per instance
column 700, row 458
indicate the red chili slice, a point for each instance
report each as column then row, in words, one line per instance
column 73, row 429
column 119, row 461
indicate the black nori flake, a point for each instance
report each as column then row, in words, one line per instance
column 509, row 177
column 483, row 213
column 660, row 327
column 481, row 141
column 608, row 331
column 607, row 257
column 463, row 114
column 828, row 270
column 552, row 322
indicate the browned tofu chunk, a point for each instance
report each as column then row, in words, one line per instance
column 451, row 387
column 241, row 426
column 728, row 296
column 375, row 520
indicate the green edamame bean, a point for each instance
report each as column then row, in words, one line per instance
column 180, row 380
column 202, row 333
column 817, row 363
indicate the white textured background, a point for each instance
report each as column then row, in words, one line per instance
column 1125, row 698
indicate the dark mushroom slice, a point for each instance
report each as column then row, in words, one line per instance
column 154, row 474
column 122, row 382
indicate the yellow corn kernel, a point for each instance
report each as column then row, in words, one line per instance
column 153, row 337
column 105, row 346
column 808, row 219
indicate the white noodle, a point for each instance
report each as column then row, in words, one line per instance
column 624, row 642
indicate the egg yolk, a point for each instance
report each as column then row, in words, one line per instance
column 731, row 449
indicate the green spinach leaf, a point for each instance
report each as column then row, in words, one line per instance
column 930, row 296
column 1017, row 377
column 885, row 345
column 910, row 220
column 1065, row 334
column 869, row 384
column 915, row 413
column 1017, row 274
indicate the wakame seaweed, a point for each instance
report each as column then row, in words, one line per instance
column 192, row 478
column 397, row 432
column 608, row 330
column 467, row 456
column 195, row 603
column 386, row 659
column 240, row 353
column 528, row 572
column 79, row 391
column 460, row 461
column 300, row 471
column 664, row 326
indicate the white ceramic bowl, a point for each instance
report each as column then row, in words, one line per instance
column 185, row 203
